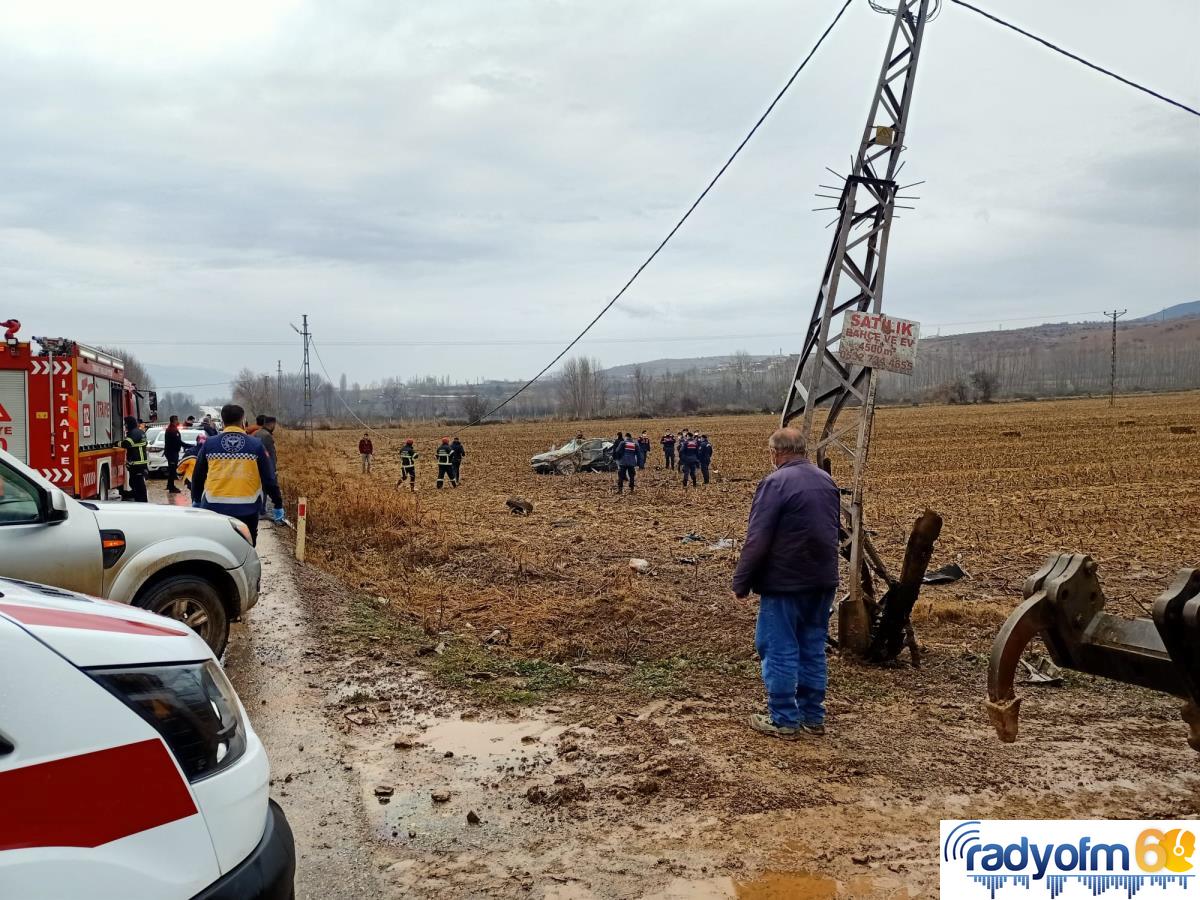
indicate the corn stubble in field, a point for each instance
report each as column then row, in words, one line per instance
column 1014, row 482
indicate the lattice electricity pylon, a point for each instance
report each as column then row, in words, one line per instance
column 866, row 206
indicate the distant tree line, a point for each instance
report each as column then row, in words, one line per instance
column 947, row 371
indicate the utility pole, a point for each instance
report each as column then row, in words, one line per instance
column 307, row 376
column 859, row 251
column 279, row 387
column 1112, row 378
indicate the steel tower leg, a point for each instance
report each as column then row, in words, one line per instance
column 859, row 253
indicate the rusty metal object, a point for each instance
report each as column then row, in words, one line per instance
column 1064, row 603
column 891, row 628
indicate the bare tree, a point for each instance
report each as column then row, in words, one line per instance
column 134, row 370
column 643, row 390
column 395, row 398
column 474, row 407
column 953, row 391
column 252, row 391
column 741, row 366
column 985, row 384
column 176, row 403
column 582, row 390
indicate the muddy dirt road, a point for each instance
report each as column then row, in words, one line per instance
column 271, row 661
column 407, row 787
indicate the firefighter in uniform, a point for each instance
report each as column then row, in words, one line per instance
column 627, row 454
column 136, row 461
column 408, row 465
column 445, row 461
column 689, row 458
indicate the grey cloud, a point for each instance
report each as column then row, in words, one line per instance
column 380, row 164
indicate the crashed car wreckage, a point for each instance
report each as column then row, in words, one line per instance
column 576, row 455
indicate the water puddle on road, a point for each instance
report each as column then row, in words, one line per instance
column 492, row 741
column 446, row 774
column 783, row 886
column 789, row 886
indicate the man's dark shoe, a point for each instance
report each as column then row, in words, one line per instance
column 174, row 491
column 818, row 730
column 763, row 725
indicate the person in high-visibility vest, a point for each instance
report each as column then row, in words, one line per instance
column 408, row 465
column 136, row 461
column 445, row 461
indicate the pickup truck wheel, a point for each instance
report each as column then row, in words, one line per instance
column 194, row 602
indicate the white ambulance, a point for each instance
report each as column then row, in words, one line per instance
column 128, row 767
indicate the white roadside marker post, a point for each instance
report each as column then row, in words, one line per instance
column 301, row 523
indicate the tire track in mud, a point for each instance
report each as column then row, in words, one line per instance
column 271, row 662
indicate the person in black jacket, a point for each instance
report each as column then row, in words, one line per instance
column 668, row 445
column 627, row 454
column 172, row 447
column 706, row 452
column 457, row 452
column 689, row 458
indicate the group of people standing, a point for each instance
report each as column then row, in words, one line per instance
column 231, row 471
column 449, row 456
column 695, row 453
column 630, row 454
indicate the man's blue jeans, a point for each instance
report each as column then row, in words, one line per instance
column 790, row 639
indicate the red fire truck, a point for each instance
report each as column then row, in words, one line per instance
column 61, row 410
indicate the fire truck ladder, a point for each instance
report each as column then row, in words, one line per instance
column 859, row 251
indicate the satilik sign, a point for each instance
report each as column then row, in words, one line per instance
column 879, row 341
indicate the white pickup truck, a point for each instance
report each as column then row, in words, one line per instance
column 188, row 564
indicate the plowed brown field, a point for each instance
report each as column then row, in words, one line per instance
column 1080, row 476
column 630, row 771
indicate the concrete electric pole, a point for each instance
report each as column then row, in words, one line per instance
column 307, row 376
column 859, row 252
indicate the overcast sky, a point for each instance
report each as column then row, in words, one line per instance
column 494, row 171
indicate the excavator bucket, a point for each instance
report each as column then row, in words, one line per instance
column 1064, row 604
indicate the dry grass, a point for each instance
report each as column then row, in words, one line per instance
column 1076, row 479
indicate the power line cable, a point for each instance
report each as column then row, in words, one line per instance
column 329, row 380
column 649, row 259
column 1078, row 59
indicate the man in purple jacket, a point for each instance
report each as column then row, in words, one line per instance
column 790, row 559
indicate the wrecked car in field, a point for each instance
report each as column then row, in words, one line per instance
column 586, row 455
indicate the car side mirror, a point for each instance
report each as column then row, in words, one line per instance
column 57, row 510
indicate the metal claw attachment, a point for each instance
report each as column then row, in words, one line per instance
column 1064, row 603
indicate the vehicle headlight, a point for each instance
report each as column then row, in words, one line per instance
column 240, row 528
column 193, row 707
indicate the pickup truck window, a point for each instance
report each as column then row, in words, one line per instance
column 18, row 499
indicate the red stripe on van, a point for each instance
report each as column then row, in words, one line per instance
column 93, row 798
column 65, row 618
